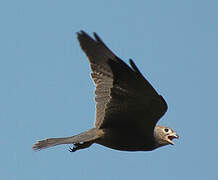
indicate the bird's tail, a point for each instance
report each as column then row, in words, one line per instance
column 83, row 140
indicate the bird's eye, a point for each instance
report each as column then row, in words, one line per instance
column 166, row 130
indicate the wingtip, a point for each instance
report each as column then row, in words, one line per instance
column 97, row 37
column 131, row 62
column 80, row 33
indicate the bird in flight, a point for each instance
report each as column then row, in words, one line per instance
column 127, row 106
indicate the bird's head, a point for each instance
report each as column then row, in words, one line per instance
column 164, row 136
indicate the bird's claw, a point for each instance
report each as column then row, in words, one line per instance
column 73, row 149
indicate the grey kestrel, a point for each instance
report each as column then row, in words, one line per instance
column 127, row 106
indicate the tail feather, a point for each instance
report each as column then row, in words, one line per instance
column 87, row 136
column 51, row 142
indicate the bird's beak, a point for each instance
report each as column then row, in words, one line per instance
column 172, row 136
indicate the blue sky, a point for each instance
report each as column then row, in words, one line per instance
column 46, row 90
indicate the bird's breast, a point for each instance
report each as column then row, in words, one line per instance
column 126, row 140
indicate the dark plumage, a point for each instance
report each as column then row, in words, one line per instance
column 127, row 106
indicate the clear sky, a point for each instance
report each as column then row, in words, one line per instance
column 46, row 90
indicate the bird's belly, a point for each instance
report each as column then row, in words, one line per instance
column 126, row 141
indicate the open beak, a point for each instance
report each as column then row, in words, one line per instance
column 172, row 136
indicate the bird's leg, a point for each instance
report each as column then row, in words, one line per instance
column 73, row 149
column 80, row 145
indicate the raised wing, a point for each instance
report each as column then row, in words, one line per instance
column 124, row 98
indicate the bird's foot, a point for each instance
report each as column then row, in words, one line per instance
column 73, row 149
column 80, row 145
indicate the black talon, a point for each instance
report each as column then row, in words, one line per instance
column 73, row 149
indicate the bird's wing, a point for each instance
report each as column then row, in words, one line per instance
column 124, row 98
